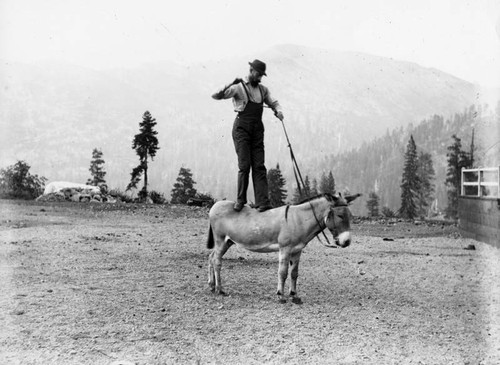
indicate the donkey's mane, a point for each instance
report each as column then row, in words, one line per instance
column 328, row 197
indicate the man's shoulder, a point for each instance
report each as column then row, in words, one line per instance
column 263, row 88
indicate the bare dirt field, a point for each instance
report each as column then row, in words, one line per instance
column 127, row 284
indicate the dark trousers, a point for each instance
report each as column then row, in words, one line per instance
column 248, row 137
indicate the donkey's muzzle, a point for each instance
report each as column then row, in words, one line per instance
column 343, row 240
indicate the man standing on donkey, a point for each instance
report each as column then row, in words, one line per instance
column 249, row 96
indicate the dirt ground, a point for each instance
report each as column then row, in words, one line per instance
column 127, row 284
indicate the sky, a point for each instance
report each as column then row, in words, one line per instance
column 456, row 36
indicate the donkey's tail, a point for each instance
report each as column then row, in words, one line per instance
column 210, row 240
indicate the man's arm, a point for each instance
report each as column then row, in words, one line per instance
column 274, row 105
column 227, row 91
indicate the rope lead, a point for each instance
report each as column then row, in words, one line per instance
column 296, row 172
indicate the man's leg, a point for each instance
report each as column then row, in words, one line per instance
column 259, row 171
column 241, row 141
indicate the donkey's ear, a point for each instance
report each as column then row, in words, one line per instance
column 350, row 198
column 335, row 196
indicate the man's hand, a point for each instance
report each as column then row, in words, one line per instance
column 279, row 115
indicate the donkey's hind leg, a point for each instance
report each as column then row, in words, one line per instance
column 294, row 274
column 284, row 258
column 211, row 272
column 216, row 262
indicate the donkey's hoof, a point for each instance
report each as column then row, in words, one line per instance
column 221, row 292
column 297, row 300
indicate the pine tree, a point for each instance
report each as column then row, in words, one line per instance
column 327, row 183
column 373, row 204
column 302, row 193
column 323, row 183
column 410, row 185
column 307, row 187
column 96, row 169
column 472, row 150
column 314, row 187
column 457, row 159
column 426, row 173
column 184, row 187
column 277, row 193
column 145, row 144
column 331, row 183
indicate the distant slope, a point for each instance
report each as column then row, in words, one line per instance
column 378, row 165
column 52, row 116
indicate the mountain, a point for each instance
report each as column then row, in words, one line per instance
column 52, row 116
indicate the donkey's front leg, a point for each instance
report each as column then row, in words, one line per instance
column 294, row 274
column 284, row 258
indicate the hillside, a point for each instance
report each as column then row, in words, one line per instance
column 378, row 165
column 52, row 116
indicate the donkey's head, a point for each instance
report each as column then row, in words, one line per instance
column 339, row 219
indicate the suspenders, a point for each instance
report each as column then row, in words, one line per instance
column 248, row 95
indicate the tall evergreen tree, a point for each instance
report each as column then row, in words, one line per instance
column 96, row 169
column 314, row 187
column 323, row 183
column 373, row 204
column 331, row 183
column 184, row 187
column 302, row 193
column 410, row 185
column 277, row 192
column 426, row 173
column 457, row 159
column 145, row 144
column 472, row 150
column 327, row 183
column 307, row 187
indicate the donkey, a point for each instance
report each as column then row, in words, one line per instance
column 287, row 230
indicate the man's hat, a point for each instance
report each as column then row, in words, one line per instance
column 258, row 66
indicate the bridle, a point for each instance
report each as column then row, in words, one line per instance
column 325, row 225
column 334, row 230
column 299, row 180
